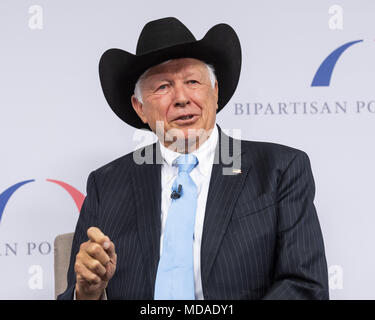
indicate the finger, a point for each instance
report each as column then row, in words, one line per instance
column 84, row 274
column 95, row 267
column 96, row 235
column 96, row 251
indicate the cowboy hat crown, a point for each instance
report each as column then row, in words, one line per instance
column 163, row 33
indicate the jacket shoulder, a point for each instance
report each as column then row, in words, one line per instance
column 121, row 165
column 272, row 153
column 270, row 148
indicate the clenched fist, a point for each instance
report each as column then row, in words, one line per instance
column 95, row 265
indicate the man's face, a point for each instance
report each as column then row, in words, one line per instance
column 178, row 93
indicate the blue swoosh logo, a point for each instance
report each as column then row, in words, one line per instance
column 322, row 77
column 4, row 197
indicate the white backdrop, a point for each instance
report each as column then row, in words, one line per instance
column 55, row 123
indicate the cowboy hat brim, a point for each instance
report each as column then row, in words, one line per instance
column 119, row 70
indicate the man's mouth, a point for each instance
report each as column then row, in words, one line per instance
column 186, row 119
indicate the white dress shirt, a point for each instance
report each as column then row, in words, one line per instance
column 201, row 176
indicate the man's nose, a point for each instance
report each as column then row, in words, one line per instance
column 181, row 97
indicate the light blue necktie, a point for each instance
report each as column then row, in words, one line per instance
column 175, row 274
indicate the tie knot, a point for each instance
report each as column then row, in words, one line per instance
column 186, row 162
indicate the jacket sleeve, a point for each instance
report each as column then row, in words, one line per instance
column 300, row 270
column 88, row 217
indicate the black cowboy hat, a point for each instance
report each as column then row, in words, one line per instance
column 161, row 40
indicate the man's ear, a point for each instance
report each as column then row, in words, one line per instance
column 138, row 108
column 216, row 88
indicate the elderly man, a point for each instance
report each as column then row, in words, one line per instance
column 192, row 225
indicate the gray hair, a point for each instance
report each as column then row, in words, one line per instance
column 137, row 88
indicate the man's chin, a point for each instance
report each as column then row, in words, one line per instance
column 182, row 139
column 185, row 132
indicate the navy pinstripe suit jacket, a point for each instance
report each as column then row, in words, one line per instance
column 261, row 235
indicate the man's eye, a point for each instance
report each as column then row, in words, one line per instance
column 193, row 81
column 163, row 87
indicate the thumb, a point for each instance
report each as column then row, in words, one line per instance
column 109, row 247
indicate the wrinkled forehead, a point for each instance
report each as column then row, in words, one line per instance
column 176, row 66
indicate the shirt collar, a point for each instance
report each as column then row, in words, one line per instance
column 204, row 153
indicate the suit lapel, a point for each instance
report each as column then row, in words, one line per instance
column 223, row 192
column 147, row 191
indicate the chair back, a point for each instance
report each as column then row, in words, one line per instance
column 63, row 247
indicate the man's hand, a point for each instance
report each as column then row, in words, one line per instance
column 95, row 265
